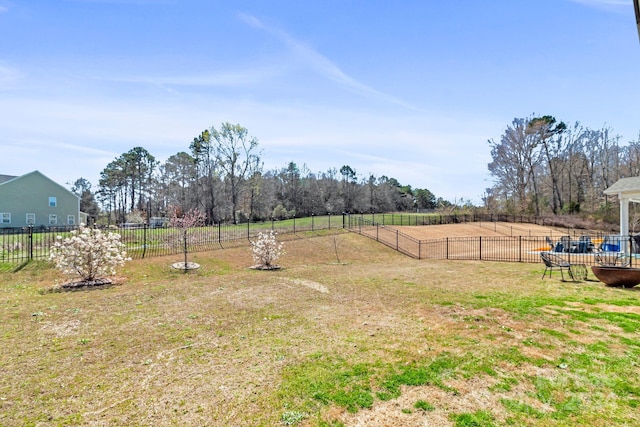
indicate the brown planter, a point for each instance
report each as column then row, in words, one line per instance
column 623, row 277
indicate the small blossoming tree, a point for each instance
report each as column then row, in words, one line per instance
column 89, row 253
column 183, row 222
column 266, row 250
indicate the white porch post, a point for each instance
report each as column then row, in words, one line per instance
column 627, row 190
column 624, row 224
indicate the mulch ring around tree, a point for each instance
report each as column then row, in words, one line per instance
column 185, row 266
column 83, row 284
column 265, row 267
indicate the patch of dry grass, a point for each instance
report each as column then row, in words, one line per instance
column 227, row 345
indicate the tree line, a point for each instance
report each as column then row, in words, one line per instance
column 541, row 165
column 222, row 175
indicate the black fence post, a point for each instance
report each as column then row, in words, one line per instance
column 519, row 248
column 144, row 241
column 220, row 232
column 30, row 242
column 480, row 240
column 447, row 249
column 248, row 230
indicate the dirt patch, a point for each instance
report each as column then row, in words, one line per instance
column 467, row 395
column 309, row 284
column 475, row 229
column 61, row 329
column 480, row 241
column 632, row 309
column 470, row 395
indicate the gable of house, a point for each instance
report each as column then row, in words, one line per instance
column 34, row 199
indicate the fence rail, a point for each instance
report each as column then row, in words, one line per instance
column 518, row 245
column 23, row 244
column 508, row 248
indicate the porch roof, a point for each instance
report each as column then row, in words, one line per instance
column 626, row 188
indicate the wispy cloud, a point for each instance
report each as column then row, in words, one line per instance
column 321, row 64
column 308, row 56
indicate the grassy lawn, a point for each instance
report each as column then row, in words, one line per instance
column 376, row 339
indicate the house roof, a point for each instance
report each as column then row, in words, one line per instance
column 5, row 178
column 628, row 188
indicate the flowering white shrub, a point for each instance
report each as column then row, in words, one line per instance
column 266, row 250
column 89, row 253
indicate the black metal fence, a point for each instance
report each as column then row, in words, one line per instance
column 441, row 219
column 576, row 246
column 517, row 244
column 23, row 244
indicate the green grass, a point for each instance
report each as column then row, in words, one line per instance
column 406, row 218
column 476, row 419
column 522, row 410
column 227, row 345
column 325, row 380
column 423, row 406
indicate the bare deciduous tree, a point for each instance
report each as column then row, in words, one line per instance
column 236, row 155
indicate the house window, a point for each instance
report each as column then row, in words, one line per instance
column 53, row 219
column 31, row 219
column 53, row 202
column 5, row 218
column 71, row 219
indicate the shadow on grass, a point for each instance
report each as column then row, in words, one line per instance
column 20, row 266
column 11, row 267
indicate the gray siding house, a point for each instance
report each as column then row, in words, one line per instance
column 35, row 200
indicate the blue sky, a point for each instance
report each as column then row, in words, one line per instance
column 408, row 89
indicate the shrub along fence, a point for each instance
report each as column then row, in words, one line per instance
column 512, row 248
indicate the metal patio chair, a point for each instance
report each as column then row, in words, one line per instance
column 550, row 243
column 552, row 261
